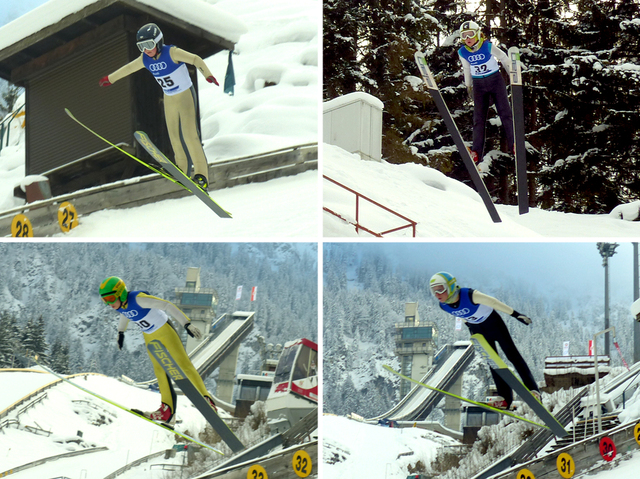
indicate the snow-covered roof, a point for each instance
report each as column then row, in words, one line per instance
column 50, row 16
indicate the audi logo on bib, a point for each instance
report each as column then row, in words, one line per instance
column 156, row 67
column 130, row 314
column 476, row 58
column 461, row 312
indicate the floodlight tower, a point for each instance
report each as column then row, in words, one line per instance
column 607, row 250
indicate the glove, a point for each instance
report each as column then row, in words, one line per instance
column 521, row 317
column 211, row 79
column 104, row 81
column 120, row 339
column 193, row 331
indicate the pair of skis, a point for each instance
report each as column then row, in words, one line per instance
column 518, row 115
column 168, row 170
column 549, row 421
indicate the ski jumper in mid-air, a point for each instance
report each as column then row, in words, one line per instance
column 167, row 63
column 482, row 78
column 151, row 314
column 478, row 311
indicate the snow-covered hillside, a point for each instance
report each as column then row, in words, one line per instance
column 67, row 420
column 275, row 105
column 443, row 207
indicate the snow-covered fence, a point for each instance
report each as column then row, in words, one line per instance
column 354, row 123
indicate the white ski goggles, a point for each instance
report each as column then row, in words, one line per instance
column 149, row 44
column 438, row 288
column 468, row 34
column 146, row 45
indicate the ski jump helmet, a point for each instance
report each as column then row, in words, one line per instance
column 113, row 289
column 470, row 29
column 441, row 282
column 148, row 37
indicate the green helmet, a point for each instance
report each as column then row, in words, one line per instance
column 113, row 289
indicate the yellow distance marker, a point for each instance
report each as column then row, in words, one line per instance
column 566, row 465
column 257, row 472
column 525, row 474
column 21, row 227
column 636, row 433
column 302, row 463
column 67, row 217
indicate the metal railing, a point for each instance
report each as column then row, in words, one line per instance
column 411, row 224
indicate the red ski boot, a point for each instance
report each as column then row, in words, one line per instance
column 211, row 403
column 163, row 414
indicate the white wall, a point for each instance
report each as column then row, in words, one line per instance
column 354, row 123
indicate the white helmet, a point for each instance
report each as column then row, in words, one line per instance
column 469, row 29
column 441, row 282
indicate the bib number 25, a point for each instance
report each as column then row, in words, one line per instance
column 165, row 82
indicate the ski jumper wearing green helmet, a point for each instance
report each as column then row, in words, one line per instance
column 482, row 77
column 151, row 315
column 168, row 64
column 478, row 312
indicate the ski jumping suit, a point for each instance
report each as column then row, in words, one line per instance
column 477, row 311
column 481, row 70
column 150, row 314
column 170, row 71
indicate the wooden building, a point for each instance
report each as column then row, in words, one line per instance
column 60, row 65
column 564, row 372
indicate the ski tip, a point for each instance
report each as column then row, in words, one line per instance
column 66, row 110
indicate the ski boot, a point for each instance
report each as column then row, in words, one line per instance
column 163, row 415
column 475, row 158
column 211, row 403
column 202, row 182
column 537, row 395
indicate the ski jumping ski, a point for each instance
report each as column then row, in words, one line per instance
column 151, row 167
column 178, row 174
column 470, row 401
column 431, row 85
column 171, row 367
column 179, row 179
column 113, row 403
column 512, row 380
column 517, row 109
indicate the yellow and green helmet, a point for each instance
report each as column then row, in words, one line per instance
column 113, row 289
column 443, row 282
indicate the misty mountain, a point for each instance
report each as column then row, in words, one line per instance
column 59, row 282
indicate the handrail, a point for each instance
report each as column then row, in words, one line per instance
column 412, row 224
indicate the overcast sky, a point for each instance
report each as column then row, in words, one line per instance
column 572, row 270
column 12, row 9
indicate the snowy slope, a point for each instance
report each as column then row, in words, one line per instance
column 67, row 410
column 354, row 449
column 441, row 206
column 275, row 106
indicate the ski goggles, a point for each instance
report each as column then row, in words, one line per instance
column 468, row 34
column 110, row 298
column 439, row 289
column 146, row 45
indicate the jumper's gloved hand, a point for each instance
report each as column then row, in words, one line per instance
column 212, row 79
column 521, row 317
column 193, row 331
column 104, row 81
column 120, row 339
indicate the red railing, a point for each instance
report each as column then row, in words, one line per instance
column 412, row 224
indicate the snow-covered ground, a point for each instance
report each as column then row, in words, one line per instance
column 77, row 421
column 280, row 48
column 443, row 207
